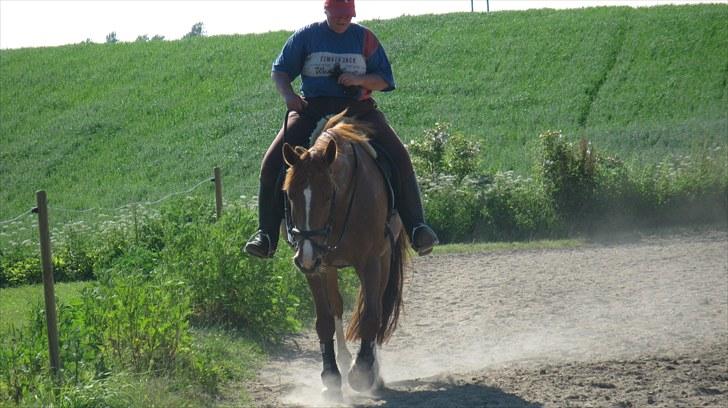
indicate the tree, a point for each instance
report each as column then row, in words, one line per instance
column 196, row 31
column 142, row 38
column 158, row 38
column 111, row 38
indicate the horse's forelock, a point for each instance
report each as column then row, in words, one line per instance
column 309, row 163
column 338, row 127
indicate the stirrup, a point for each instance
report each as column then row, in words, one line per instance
column 260, row 245
column 427, row 235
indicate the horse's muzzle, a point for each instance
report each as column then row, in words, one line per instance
column 307, row 257
column 307, row 269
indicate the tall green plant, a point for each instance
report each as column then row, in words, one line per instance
column 569, row 174
column 228, row 287
column 442, row 152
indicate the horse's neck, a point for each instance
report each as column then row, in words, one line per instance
column 345, row 164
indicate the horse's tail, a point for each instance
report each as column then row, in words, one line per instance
column 391, row 299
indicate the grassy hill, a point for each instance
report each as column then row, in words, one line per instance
column 104, row 125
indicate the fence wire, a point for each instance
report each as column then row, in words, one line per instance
column 21, row 228
column 138, row 203
column 16, row 218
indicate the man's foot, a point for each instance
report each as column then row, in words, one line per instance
column 260, row 245
column 423, row 239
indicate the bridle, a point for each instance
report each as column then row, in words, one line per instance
column 297, row 236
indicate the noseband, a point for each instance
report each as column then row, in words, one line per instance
column 297, row 236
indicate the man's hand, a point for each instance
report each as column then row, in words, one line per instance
column 350, row 80
column 372, row 82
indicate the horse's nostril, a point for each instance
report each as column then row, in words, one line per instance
column 306, row 271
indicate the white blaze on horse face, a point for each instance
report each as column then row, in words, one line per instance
column 307, row 261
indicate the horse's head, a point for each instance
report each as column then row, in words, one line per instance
column 312, row 196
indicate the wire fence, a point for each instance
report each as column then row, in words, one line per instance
column 138, row 203
column 22, row 228
column 16, row 218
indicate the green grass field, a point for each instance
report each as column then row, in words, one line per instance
column 16, row 303
column 100, row 125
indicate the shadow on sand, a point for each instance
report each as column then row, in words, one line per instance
column 428, row 394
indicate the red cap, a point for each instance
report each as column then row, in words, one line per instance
column 340, row 8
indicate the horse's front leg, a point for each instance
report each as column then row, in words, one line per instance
column 330, row 376
column 364, row 375
column 343, row 356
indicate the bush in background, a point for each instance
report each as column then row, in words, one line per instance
column 268, row 297
column 574, row 190
column 463, row 204
column 569, row 174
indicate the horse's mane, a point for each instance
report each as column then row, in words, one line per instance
column 345, row 128
column 341, row 129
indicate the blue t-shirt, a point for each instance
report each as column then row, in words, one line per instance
column 320, row 55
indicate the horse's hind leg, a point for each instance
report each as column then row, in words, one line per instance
column 330, row 376
column 343, row 356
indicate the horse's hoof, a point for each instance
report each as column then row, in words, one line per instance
column 378, row 388
column 361, row 379
column 332, row 394
column 331, row 379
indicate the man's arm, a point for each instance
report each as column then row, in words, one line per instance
column 283, row 86
column 372, row 82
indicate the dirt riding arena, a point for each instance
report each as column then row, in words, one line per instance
column 638, row 323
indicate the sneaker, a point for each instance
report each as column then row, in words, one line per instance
column 259, row 245
column 423, row 239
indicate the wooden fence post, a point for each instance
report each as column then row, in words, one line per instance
column 47, row 263
column 218, row 192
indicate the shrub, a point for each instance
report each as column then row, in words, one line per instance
column 226, row 285
column 515, row 208
column 441, row 152
column 452, row 208
column 463, row 205
column 569, row 176
column 127, row 321
column 19, row 265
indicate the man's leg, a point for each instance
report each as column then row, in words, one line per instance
column 264, row 242
column 408, row 201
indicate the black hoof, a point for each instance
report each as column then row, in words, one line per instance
column 331, row 379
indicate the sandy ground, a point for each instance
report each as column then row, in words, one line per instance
column 627, row 324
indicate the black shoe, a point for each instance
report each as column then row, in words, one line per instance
column 423, row 239
column 259, row 245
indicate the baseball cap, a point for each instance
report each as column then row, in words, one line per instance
column 340, row 8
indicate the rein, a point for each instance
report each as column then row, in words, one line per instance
column 298, row 235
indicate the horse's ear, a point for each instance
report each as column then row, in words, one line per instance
column 289, row 155
column 330, row 153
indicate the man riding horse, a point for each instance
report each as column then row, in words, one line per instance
column 340, row 63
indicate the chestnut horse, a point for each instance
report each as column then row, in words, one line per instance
column 338, row 216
